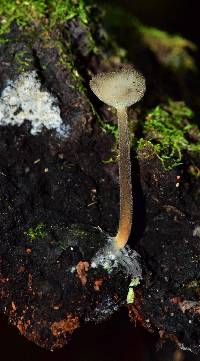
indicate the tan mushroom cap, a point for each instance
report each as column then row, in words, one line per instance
column 119, row 89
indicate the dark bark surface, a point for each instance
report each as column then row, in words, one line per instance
column 170, row 246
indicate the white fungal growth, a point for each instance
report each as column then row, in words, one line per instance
column 24, row 99
column 126, row 259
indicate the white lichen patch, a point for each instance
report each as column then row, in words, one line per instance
column 125, row 259
column 24, row 99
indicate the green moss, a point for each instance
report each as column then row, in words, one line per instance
column 66, row 59
column 20, row 11
column 37, row 231
column 23, row 60
column 112, row 129
column 171, row 50
column 145, row 149
column 193, row 284
column 194, row 170
column 131, row 294
column 64, row 10
column 46, row 13
column 167, row 129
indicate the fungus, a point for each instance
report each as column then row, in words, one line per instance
column 120, row 90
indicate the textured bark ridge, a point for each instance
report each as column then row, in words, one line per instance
column 58, row 180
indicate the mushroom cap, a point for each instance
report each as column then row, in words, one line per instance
column 119, row 89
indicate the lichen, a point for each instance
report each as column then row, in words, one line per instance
column 168, row 129
column 24, row 100
column 37, row 231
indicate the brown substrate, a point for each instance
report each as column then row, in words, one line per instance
column 49, row 287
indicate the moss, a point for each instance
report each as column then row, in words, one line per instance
column 23, row 60
column 112, row 129
column 66, row 59
column 194, row 285
column 194, row 170
column 171, row 50
column 44, row 16
column 131, row 294
column 21, row 12
column 145, row 149
column 167, row 130
column 47, row 19
column 37, row 231
column 27, row 13
column 64, row 10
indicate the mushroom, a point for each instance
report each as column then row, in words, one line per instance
column 120, row 90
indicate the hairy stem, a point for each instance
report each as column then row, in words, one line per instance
column 126, row 202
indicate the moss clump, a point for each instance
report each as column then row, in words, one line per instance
column 131, row 294
column 113, row 130
column 171, row 50
column 40, row 12
column 23, row 60
column 194, row 170
column 20, row 11
column 168, row 130
column 37, row 231
column 44, row 20
column 194, row 286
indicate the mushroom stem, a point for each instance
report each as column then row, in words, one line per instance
column 120, row 90
column 126, row 202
